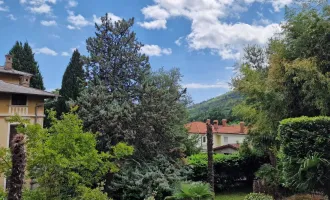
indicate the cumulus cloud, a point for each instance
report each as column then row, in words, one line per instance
column 111, row 16
column 218, row 84
column 179, row 41
column 72, row 3
column 155, row 50
column 39, row 6
column 208, row 27
column 156, row 24
column 46, row 51
column 48, row 23
column 3, row 7
column 64, row 53
column 12, row 17
column 77, row 21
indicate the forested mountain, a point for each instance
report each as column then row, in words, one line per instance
column 216, row 108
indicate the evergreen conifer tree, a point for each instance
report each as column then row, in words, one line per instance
column 73, row 78
column 24, row 61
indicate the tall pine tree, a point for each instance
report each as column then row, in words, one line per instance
column 24, row 61
column 73, row 78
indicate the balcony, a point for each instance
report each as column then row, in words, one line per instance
column 19, row 110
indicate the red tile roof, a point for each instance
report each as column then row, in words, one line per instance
column 232, row 146
column 200, row 128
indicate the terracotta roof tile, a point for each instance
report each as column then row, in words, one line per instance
column 18, row 89
column 5, row 71
column 200, row 128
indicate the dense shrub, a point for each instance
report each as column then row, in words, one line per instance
column 230, row 170
column 258, row 196
column 305, row 153
column 137, row 181
column 193, row 191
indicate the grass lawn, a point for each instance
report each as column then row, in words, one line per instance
column 231, row 196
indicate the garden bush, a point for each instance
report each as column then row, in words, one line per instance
column 231, row 171
column 258, row 196
column 305, row 153
column 193, row 191
column 156, row 178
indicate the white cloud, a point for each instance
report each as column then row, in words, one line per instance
column 219, row 84
column 156, row 24
column 74, row 48
column 3, row 8
column 55, row 36
column 12, row 17
column 72, row 3
column 77, row 21
column 41, row 9
column 48, row 23
column 71, row 27
column 230, row 68
column 46, row 51
column 209, row 31
column 111, row 16
column 179, row 41
column 64, row 53
column 155, row 12
column 155, row 50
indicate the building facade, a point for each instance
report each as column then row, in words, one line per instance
column 223, row 134
column 17, row 98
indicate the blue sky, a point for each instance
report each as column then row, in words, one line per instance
column 204, row 38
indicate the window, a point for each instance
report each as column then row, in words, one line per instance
column 18, row 100
column 225, row 140
column 204, row 139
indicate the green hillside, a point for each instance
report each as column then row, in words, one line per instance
column 216, row 108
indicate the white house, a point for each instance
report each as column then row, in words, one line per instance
column 226, row 139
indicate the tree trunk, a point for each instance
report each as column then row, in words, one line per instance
column 16, row 180
column 210, row 170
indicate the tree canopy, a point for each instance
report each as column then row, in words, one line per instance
column 23, row 60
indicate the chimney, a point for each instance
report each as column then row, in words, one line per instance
column 208, row 121
column 216, row 124
column 224, row 122
column 24, row 81
column 9, row 62
column 242, row 124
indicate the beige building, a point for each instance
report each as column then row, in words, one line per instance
column 226, row 138
column 16, row 97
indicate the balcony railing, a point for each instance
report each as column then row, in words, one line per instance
column 19, row 110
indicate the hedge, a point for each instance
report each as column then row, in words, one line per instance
column 305, row 153
column 230, row 171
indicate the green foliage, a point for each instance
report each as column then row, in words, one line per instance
column 193, row 191
column 151, row 178
column 5, row 161
column 91, row 194
column 217, row 108
column 125, row 101
column 295, row 72
column 64, row 158
column 258, row 196
column 269, row 174
column 304, row 147
column 24, row 61
column 73, row 83
column 229, row 169
column 3, row 194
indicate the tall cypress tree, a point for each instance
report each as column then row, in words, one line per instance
column 72, row 83
column 24, row 61
column 73, row 77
